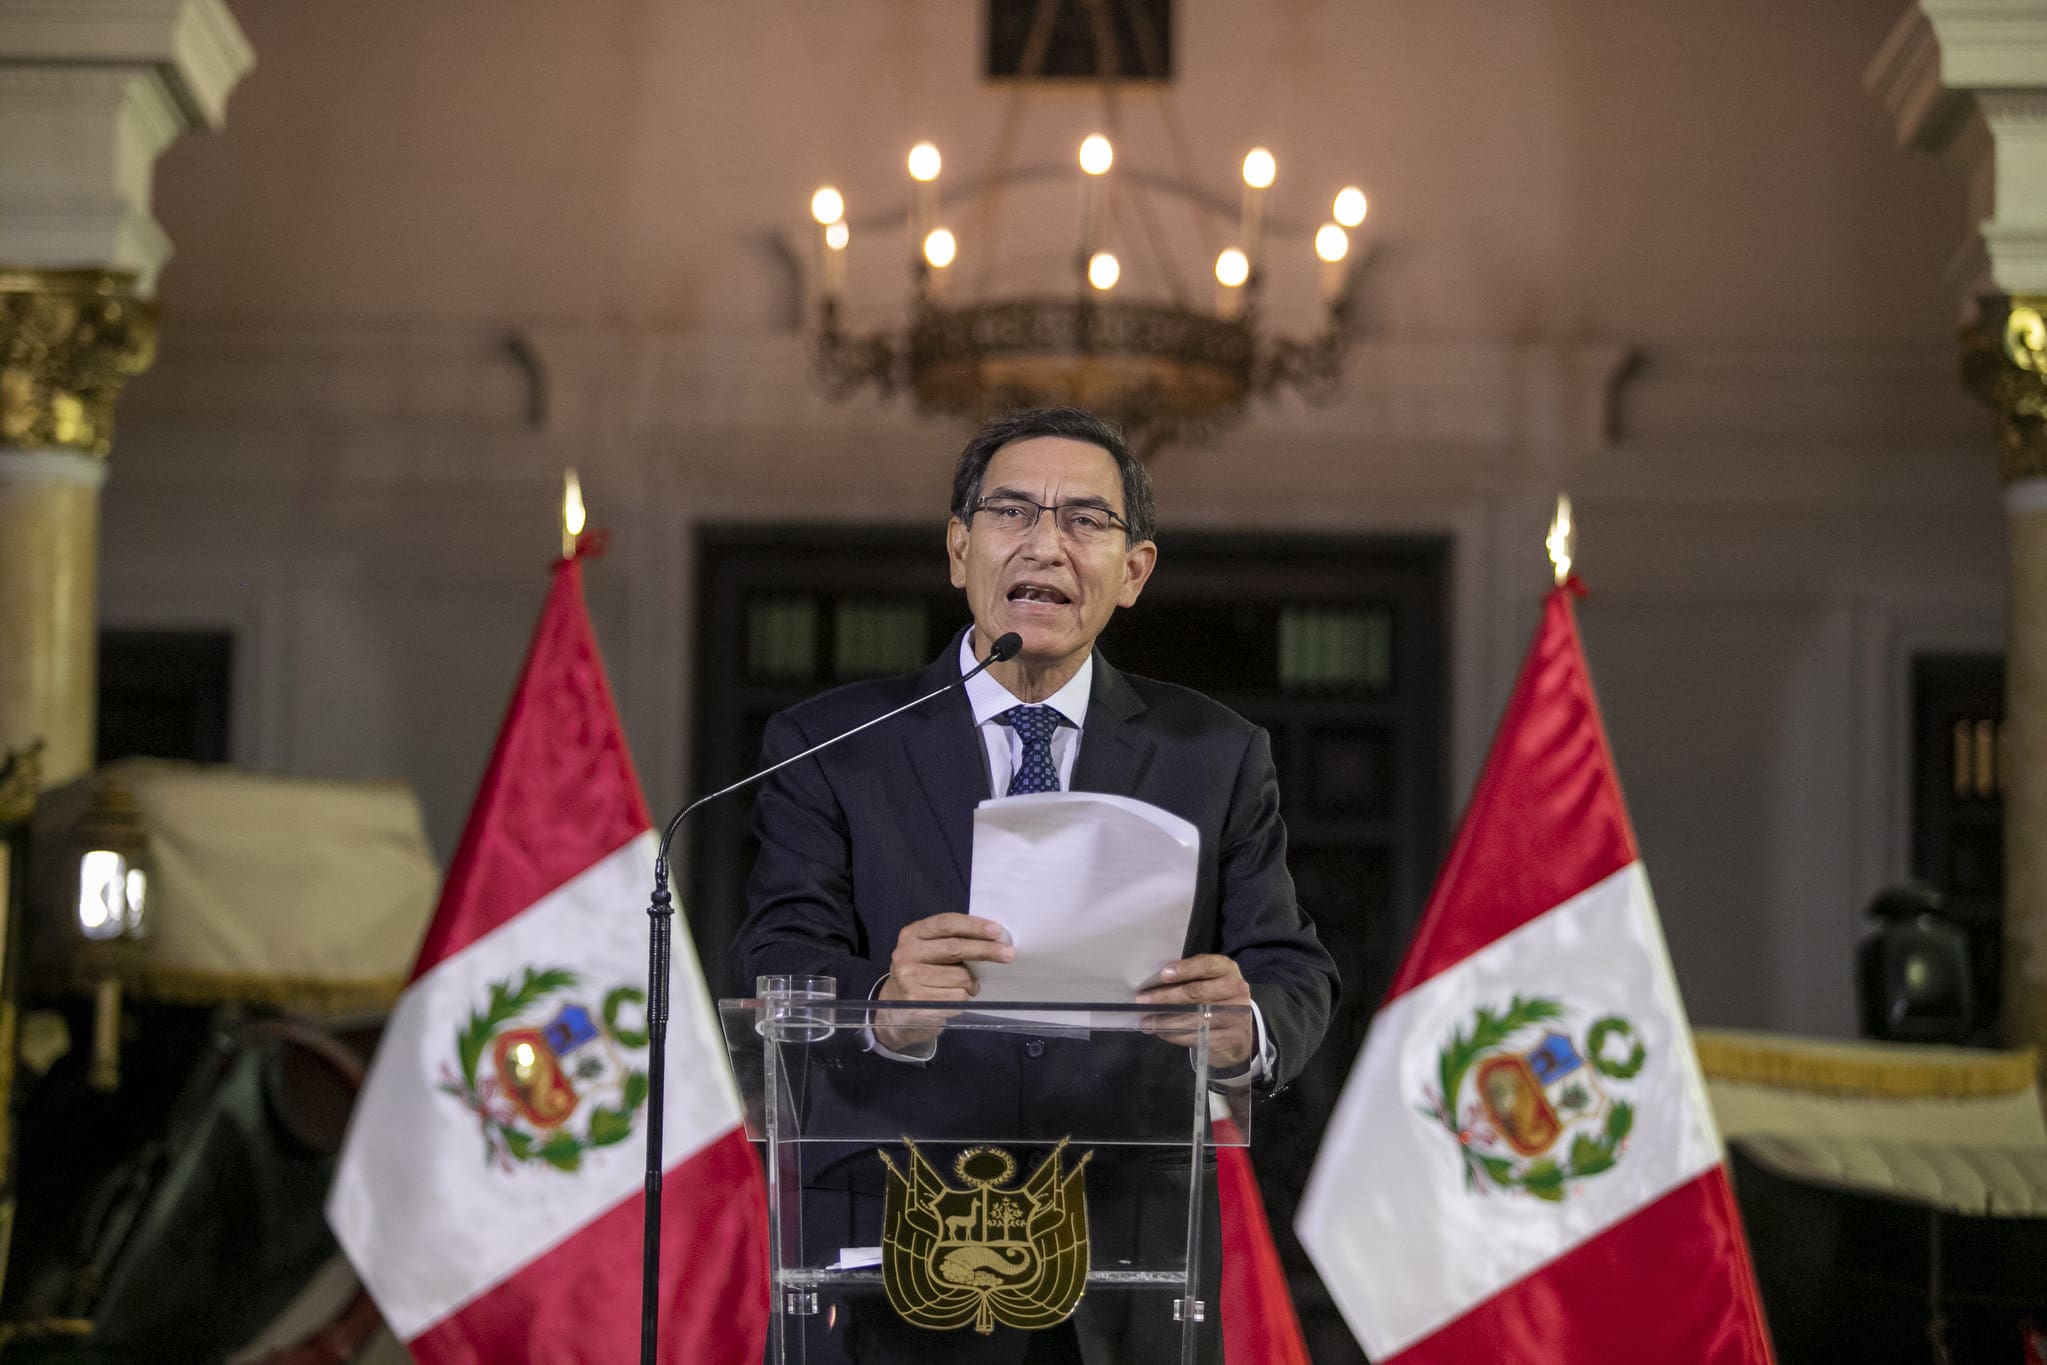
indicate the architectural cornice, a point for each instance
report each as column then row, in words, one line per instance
column 194, row 46
column 1905, row 77
column 1941, row 52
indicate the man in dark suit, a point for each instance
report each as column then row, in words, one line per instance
column 864, row 863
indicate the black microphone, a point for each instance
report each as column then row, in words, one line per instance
column 659, row 911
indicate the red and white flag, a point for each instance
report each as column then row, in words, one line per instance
column 1260, row 1326
column 1522, row 1165
column 489, row 1194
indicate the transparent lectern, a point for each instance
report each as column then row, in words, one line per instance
column 1046, row 1163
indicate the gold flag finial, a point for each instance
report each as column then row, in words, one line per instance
column 572, row 512
column 1562, row 539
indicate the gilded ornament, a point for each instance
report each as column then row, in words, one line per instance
column 988, row 1251
column 69, row 339
column 2004, row 362
column 2025, row 338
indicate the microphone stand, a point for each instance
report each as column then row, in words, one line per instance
column 660, row 913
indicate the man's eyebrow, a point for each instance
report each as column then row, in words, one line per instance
column 1086, row 500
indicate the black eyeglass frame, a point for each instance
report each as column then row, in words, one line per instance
column 1114, row 519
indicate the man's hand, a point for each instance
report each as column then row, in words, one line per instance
column 1209, row 979
column 930, row 963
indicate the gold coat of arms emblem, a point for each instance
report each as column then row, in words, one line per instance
column 985, row 1251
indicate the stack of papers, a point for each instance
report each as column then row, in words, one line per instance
column 1094, row 890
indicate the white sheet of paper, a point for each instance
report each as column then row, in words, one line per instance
column 1094, row 890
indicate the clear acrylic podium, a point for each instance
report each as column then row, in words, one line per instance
column 1047, row 1161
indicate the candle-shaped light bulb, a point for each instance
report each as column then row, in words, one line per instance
column 924, row 162
column 1232, row 268
column 828, row 206
column 1096, row 156
column 940, row 247
column 1332, row 244
column 1103, row 271
column 1259, row 171
column 572, row 512
column 1349, row 208
column 836, row 235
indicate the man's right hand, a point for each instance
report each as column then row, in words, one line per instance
column 930, row 962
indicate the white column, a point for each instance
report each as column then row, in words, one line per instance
column 91, row 92
column 1968, row 78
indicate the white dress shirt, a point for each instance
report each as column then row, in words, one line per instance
column 990, row 699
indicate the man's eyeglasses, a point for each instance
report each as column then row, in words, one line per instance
column 1084, row 523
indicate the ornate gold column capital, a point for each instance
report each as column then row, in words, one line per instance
column 69, row 339
column 2004, row 362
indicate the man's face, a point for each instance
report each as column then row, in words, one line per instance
column 1055, row 592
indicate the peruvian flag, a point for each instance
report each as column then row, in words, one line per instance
column 1522, row 1165
column 489, row 1194
column 1260, row 1326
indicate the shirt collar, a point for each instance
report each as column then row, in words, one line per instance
column 990, row 698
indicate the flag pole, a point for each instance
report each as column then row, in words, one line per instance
column 1562, row 540
column 659, row 949
column 660, row 913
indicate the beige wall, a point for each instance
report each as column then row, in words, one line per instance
column 331, row 455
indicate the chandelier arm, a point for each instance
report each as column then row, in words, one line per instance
column 1161, row 249
column 847, row 364
column 1149, row 50
column 1312, row 368
column 987, row 227
column 1039, row 40
column 1108, row 57
column 987, row 221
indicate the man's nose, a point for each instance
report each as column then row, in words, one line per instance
column 1044, row 541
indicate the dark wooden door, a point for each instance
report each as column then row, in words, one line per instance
column 1959, row 760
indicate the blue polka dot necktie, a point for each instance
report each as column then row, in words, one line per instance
column 1035, row 772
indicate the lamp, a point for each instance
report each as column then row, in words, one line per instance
column 1162, row 366
column 1913, row 971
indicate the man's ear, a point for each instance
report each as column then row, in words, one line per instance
column 1138, row 562
column 956, row 551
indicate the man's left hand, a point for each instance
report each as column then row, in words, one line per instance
column 1207, row 979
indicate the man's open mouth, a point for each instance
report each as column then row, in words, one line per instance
column 1033, row 592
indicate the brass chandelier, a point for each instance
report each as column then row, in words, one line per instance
column 1166, row 368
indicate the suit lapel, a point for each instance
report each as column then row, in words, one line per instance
column 946, row 757
column 952, row 773
column 1115, row 753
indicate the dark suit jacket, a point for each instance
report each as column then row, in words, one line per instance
column 878, row 831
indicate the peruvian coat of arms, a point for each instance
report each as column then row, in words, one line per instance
column 550, row 1070
column 1534, row 1107
column 984, row 1253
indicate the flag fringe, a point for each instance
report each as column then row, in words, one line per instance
column 1852, row 1069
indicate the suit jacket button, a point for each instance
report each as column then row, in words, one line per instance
column 1034, row 1048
